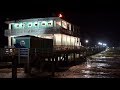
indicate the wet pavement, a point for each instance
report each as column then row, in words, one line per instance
column 103, row 65
column 7, row 73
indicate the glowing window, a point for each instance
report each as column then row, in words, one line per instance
column 64, row 24
column 69, row 26
column 58, row 23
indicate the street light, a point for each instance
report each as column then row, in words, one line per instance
column 86, row 41
column 99, row 43
column 104, row 44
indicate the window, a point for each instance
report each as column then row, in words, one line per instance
column 68, row 26
column 64, row 24
column 58, row 23
column 72, row 28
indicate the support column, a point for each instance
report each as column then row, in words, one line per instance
column 10, row 26
column 53, row 67
column 9, row 41
column 9, row 37
column 66, row 57
column 27, row 68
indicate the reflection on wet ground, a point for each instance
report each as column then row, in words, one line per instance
column 103, row 65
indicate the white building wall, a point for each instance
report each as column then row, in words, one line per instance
column 57, row 39
column 68, row 40
column 9, row 41
column 62, row 39
column 72, row 40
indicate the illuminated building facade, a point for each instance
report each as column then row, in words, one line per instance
column 64, row 34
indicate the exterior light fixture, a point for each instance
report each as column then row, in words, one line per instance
column 60, row 15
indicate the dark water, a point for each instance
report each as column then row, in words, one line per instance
column 103, row 65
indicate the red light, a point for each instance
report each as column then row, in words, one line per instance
column 60, row 15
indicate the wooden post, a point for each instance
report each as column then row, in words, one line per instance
column 14, row 67
column 27, row 67
column 79, row 55
column 66, row 57
column 56, row 60
column 53, row 67
column 74, row 56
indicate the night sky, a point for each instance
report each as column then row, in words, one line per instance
column 98, row 21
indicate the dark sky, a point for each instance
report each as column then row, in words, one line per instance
column 99, row 20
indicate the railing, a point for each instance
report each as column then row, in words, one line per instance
column 65, row 47
column 21, row 51
column 35, row 51
column 31, row 31
column 8, row 51
column 22, row 32
column 7, row 33
column 69, row 32
column 26, row 54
